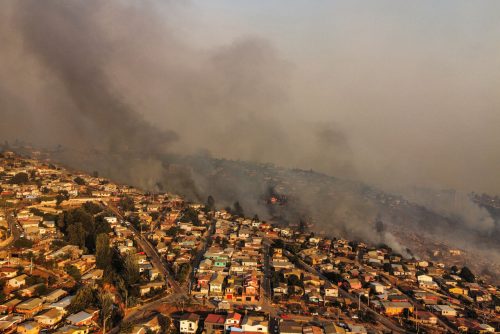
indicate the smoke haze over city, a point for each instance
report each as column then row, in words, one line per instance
column 403, row 96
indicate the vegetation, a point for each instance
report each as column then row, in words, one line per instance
column 126, row 204
column 73, row 272
column 20, row 178
column 23, row 243
column 78, row 180
column 103, row 251
column 84, row 298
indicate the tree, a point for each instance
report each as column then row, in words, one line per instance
column 83, row 299
column 238, row 209
column 103, row 251
column 467, row 275
column 78, row 180
column 183, row 273
column 19, row 178
column 210, row 203
column 76, row 235
column 23, row 243
column 173, row 231
column 106, row 304
column 190, row 215
column 73, row 272
column 302, row 226
column 131, row 273
column 41, row 290
column 127, row 204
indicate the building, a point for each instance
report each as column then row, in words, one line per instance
column 29, row 307
column 81, row 318
column 215, row 324
column 232, row 320
column 49, row 318
column 396, row 308
column 445, row 310
column 253, row 323
column 189, row 323
column 17, row 281
column 28, row 327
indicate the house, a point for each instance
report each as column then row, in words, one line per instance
column 30, row 291
column 92, row 276
column 17, row 281
column 356, row 329
column 354, row 283
column 9, row 324
column 70, row 329
column 8, row 272
column 29, row 307
column 9, row 306
column 290, row 327
column 81, row 318
column 331, row 292
column 312, row 330
column 425, row 317
column 445, row 310
column 49, row 318
column 189, row 323
column 216, row 284
column 280, row 289
column 396, row 308
column 62, row 304
column 377, row 288
column 150, row 326
column 54, row 296
column 28, row 327
column 149, row 287
column 215, row 324
column 252, row 323
column 233, row 320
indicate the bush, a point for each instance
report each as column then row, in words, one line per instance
column 23, row 243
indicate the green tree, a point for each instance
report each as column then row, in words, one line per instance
column 126, row 203
column 19, row 178
column 73, row 272
column 467, row 275
column 23, row 243
column 210, row 203
column 103, row 251
column 78, row 180
column 106, row 305
column 183, row 272
column 238, row 209
column 131, row 269
column 76, row 235
column 41, row 290
column 83, row 299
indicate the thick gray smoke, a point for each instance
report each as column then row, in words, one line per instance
column 117, row 88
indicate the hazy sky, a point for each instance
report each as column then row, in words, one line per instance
column 414, row 85
column 392, row 92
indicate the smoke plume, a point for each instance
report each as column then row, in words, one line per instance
column 120, row 87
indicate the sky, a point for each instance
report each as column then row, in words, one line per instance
column 413, row 84
column 393, row 93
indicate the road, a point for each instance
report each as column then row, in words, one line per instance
column 14, row 227
column 378, row 317
column 266, row 284
column 158, row 262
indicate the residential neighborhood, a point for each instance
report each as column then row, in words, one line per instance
column 81, row 254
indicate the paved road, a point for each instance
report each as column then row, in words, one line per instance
column 14, row 227
column 378, row 317
column 158, row 262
